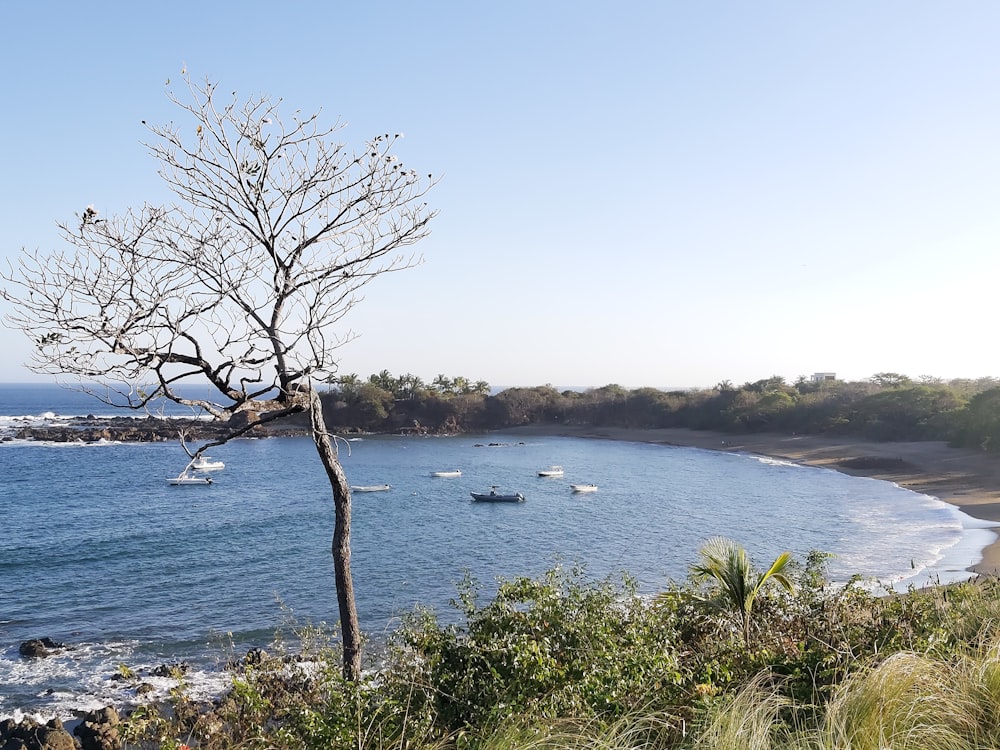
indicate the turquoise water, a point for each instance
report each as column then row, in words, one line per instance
column 103, row 554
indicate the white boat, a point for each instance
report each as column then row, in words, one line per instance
column 370, row 487
column 495, row 497
column 552, row 471
column 452, row 473
column 185, row 478
column 205, row 463
column 583, row 487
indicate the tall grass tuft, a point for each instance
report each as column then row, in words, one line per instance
column 980, row 677
column 748, row 720
column 908, row 702
column 652, row 730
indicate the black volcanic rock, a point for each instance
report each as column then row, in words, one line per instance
column 146, row 430
column 99, row 730
column 30, row 735
column 38, row 648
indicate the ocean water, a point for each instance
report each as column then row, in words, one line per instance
column 33, row 403
column 101, row 553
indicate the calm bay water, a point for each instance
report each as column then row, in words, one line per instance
column 101, row 553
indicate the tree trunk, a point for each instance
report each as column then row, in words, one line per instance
column 341, row 548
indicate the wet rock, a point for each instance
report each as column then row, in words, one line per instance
column 37, row 648
column 170, row 670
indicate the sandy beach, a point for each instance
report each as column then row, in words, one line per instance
column 967, row 479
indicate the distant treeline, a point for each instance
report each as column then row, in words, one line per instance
column 887, row 406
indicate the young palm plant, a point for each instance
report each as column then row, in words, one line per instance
column 726, row 562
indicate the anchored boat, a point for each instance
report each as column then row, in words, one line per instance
column 496, row 497
column 205, row 463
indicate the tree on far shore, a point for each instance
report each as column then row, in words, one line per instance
column 239, row 284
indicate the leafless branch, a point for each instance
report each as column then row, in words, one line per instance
column 238, row 285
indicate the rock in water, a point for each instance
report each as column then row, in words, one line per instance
column 39, row 647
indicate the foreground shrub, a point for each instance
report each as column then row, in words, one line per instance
column 562, row 662
column 551, row 647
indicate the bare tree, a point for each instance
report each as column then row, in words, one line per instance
column 238, row 284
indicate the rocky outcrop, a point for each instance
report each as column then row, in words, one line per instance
column 30, row 735
column 177, row 669
column 99, row 730
column 147, row 430
column 874, row 462
column 38, row 648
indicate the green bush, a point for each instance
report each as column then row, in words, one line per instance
column 562, row 662
column 555, row 646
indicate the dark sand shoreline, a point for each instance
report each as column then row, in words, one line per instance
column 967, row 479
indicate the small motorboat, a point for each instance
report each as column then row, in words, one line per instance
column 371, row 487
column 583, row 487
column 185, row 478
column 495, row 497
column 205, row 463
column 452, row 473
column 552, row 471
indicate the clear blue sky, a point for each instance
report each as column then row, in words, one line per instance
column 643, row 193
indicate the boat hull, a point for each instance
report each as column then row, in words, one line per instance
column 493, row 497
column 189, row 480
column 372, row 488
